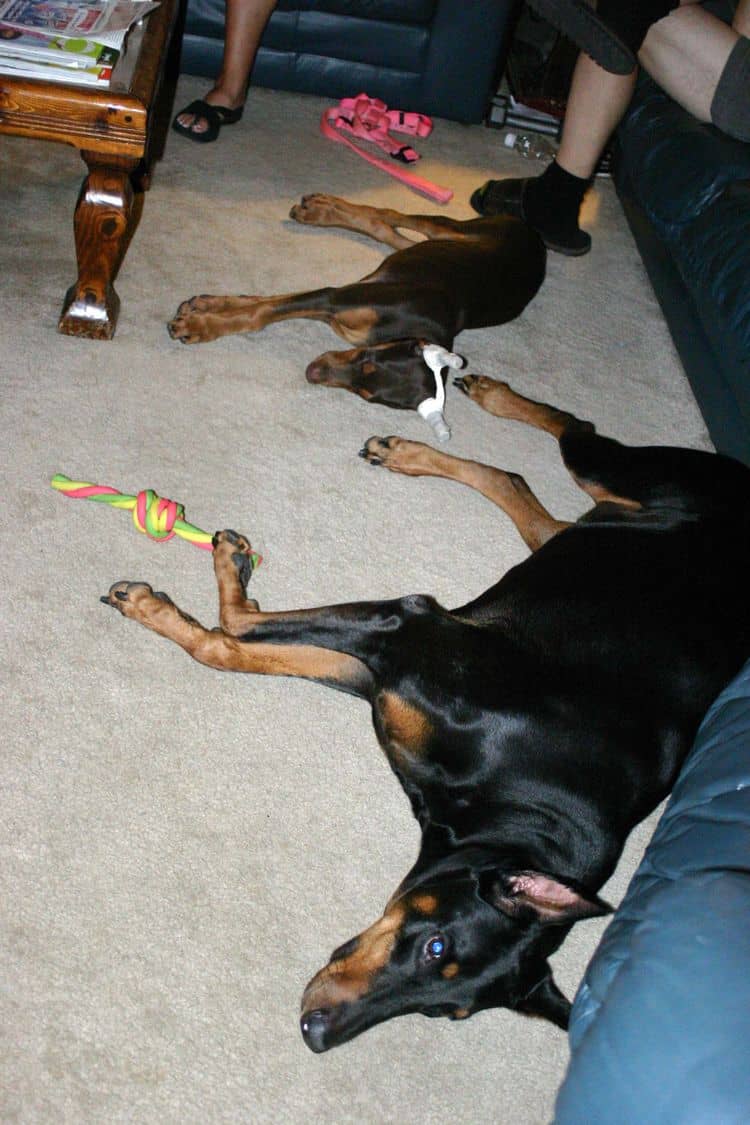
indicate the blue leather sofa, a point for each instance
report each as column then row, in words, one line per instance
column 440, row 57
column 685, row 188
column 660, row 1028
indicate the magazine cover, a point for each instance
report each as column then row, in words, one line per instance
column 74, row 53
column 104, row 21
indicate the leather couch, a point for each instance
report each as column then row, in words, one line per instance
column 440, row 57
column 660, row 1027
column 685, row 188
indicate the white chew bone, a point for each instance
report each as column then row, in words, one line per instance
column 431, row 409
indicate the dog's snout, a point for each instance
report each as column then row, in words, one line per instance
column 314, row 372
column 345, row 950
column 314, row 1026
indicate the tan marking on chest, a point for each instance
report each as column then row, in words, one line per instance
column 356, row 325
column 405, row 729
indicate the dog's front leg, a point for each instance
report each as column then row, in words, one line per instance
column 287, row 656
column 205, row 318
column 345, row 646
column 509, row 491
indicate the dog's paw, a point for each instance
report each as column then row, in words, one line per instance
column 129, row 597
column 398, row 454
column 194, row 323
column 318, row 210
column 231, row 548
column 483, row 390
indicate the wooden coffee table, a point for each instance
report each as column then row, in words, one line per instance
column 114, row 131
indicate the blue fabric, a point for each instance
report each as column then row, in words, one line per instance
column 440, row 57
column 660, row 1028
column 685, row 187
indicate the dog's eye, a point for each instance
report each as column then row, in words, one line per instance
column 435, row 947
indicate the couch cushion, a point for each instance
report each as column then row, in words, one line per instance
column 401, row 11
column 661, row 1023
column 677, row 165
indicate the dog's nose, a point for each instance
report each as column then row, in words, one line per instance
column 314, row 372
column 314, row 1026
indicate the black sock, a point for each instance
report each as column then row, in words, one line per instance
column 552, row 201
column 630, row 22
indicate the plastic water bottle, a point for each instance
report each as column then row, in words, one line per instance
column 530, row 145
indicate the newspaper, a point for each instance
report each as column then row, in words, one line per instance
column 105, row 21
column 54, row 50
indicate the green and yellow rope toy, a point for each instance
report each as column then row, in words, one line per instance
column 159, row 519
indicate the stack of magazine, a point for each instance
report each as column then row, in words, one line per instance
column 78, row 41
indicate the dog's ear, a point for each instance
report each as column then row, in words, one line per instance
column 546, row 1000
column 551, row 900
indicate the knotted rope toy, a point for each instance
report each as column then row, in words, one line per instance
column 159, row 519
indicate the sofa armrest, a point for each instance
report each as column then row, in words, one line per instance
column 660, row 1026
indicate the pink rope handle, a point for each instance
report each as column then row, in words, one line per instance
column 426, row 187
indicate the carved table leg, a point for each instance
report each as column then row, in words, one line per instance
column 104, row 220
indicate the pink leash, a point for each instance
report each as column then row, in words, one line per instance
column 370, row 120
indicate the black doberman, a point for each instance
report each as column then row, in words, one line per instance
column 531, row 728
column 466, row 274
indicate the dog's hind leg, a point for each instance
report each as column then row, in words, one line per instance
column 380, row 223
column 508, row 490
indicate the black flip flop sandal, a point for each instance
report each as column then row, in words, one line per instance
column 588, row 31
column 215, row 115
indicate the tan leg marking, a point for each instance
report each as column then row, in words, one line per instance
column 237, row 613
column 217, row 649
column 380, row 223
column 205, row 318
column 499, row 399
column 508, row 490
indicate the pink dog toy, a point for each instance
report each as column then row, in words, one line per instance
column 157, row 518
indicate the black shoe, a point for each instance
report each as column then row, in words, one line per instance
column 577, row 20
column 505, row 197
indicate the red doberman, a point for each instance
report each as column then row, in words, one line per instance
column 465, row 274
column 531, row 728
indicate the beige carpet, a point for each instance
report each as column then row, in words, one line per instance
column 181, row 850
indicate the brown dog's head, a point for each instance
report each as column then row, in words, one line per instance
column 403, row 374
column 449, row 947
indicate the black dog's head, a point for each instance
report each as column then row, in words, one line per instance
column 393, row 374
column 449, row 947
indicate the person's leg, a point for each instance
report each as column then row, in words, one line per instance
column 596, row 101
column 245, row 23
column 550, row 203
column 704, row 65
